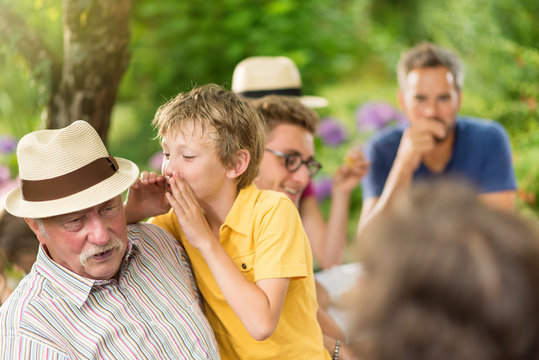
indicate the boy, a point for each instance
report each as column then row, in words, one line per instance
column 250, row 255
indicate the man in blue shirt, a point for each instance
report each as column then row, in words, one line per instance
column 436, row 142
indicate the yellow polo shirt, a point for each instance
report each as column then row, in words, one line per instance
column 264, row 237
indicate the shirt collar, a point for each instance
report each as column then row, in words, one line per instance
column 75, row 287
column 237, row 218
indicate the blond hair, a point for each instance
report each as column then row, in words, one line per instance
column 231, row 123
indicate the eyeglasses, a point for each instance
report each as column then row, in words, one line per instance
column 293, row 162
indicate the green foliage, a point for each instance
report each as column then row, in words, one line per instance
column 23, row 89
column 346, row 50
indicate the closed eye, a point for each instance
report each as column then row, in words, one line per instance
column 73, row 224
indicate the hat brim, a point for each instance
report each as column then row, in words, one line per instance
column 314, row 102
column 113, row 186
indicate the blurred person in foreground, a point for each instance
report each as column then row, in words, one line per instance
column 290, row 144
column 448, row 277
column 437, row 142
column 98, row 289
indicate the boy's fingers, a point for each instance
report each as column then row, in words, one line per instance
column 187, row 192
column 175, row 205
column 175, row 199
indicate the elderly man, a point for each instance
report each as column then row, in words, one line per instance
column 98, row 289
column 437, row 142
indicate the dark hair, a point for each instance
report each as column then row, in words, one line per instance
column 276, row 109
column 447, row 277
column 427, row 55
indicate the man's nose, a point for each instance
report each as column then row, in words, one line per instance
column 302, row 175
column 431, row 110
column 97, row 228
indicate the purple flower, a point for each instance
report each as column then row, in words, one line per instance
column 322, row 188
column 156, row 161
column 8, row 144
column 6, row 187
column 5, row 174
column 376, row 115
column 331, row 131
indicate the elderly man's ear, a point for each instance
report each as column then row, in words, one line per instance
column 38, row 228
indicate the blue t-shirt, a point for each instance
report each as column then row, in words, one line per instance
column 481, row 156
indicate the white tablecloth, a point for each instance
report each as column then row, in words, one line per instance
column 339, row 280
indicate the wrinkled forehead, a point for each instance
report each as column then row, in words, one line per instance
column 117, row 200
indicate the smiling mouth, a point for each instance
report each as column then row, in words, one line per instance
column 291, row 191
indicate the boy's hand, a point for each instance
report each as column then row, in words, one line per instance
column 349, row 174
column 190, row 214
column 146, row 197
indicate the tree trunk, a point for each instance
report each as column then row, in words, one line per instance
column 96, row 55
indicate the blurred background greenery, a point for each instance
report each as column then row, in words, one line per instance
column 346, row 50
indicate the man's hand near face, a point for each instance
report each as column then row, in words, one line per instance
column 418, row 140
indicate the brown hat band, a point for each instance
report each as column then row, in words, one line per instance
column 70, row 183
column 261, row 93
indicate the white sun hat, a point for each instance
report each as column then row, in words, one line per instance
column 258, row 76
column 66, row 170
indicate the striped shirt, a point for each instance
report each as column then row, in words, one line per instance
column 151, row 311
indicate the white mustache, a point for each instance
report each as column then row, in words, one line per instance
column 98, row 249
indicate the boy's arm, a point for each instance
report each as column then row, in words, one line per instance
column 259, row 305
column 146, row 198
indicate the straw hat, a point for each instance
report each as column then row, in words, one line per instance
column 66, row 170
column 258, row 76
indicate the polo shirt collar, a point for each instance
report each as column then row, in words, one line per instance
column 75, row 287
column 238, row 218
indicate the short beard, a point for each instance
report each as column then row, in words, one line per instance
column 448, row 130
column 98, row 249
